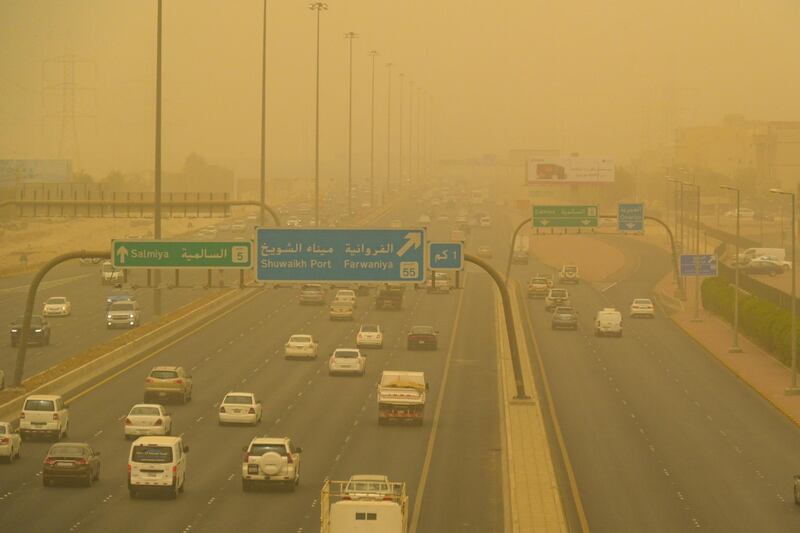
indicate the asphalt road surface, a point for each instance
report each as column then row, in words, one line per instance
column 334, row 419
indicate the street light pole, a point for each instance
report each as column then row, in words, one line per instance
column 792, row 389
column 350, row 36
column 400, row 133
column 157, row 176
column 410, row 130
column 696, row 253
column 372, row 53
column 388, row 131
column 263, row 194
column 735, row 348
column 318, row 7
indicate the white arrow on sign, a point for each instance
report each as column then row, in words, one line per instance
column 122, row 252
column 544, row 222
column 412, row 239
column 631, row 225
column 585, row 222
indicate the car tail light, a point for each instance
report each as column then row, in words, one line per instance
column 252, row 411
column 128, row 422
column 289, row 459
column 246, row 457
column 129, row 471
column 49, row 461
column 158, row 422
column 387, row 498
column 175, row 471
column 149, row 380
column 55, row 416
column 179, row 381
column 5, row 440
column 81, row 461
column 221, row 408
column 22, row 415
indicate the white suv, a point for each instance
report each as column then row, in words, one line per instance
column 270, row 460
column 44, row 415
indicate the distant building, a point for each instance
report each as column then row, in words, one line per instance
column 17, row 172
column 770, row 150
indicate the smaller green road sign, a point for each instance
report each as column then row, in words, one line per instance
column 564, row 216
column 182, row 254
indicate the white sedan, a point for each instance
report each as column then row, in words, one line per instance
column 239, row 408
column 10, row 442
column 346, row 295
column 369, row 335
column 301, row 346
column 347, row 361
column 147, row 419
column 643, row 307
column 57, row 306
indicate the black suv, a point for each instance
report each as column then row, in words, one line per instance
column 39, row 333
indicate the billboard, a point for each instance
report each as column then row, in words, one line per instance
column 568, row 170
column 19, row 171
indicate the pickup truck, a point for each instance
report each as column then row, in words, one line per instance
column 401, row 396
column 369, row 504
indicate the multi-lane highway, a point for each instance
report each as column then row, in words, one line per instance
column 451, row 464
column 659, row 435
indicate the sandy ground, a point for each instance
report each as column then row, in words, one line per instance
column 597, row 260
column 41, row 239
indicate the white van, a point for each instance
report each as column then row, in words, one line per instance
column 44, row 414
column 157, row 464
column 608, row 322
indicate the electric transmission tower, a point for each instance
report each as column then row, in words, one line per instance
column 66, row 92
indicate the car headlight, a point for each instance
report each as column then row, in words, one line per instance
column 109, row 317
column 14, row 330
column 38, row 330
column 130, row 316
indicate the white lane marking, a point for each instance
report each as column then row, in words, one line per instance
column 98, row 433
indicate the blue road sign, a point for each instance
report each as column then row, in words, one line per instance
column 445, row 256
column 341, row 255
column 630, row 217
column 698, row 265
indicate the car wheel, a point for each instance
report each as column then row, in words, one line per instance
column 173, row 491
column 89, row 479
column 183, row 484
column 65, row 434
column 246, row 485
column 45, row 481
column 796, row 494
column 97, row 474
column 133, row 494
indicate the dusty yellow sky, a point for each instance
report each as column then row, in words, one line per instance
column 600, row 78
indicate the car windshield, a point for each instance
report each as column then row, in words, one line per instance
column 151, row 453
column 3, row 429
column 539, row 281
column 261, row 449
column 642, row 301
column 300, row 338
column 422, row 330
column 369, row 329
column 164, row 374
column 367, row 486
column 558, row 293
column 565, row 310
column 55, row 300
column 64, row 450
column 39, row 405
column 570, row 269
column 145, row 410
column 346, row 354
column 122, row 306
column 238, row 399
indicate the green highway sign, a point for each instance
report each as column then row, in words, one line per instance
column 564, row 216
column 182, row 254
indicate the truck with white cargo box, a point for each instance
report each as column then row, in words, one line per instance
column 401, row 396
column 342, row 511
